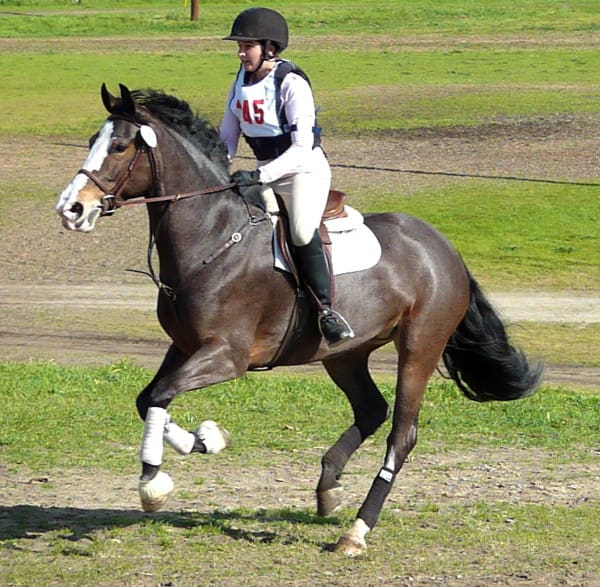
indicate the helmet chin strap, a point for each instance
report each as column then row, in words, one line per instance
column 264, row 57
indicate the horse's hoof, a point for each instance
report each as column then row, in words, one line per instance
column 350, row 546
column 154, row 493
column 214, row 437
column 329, row 501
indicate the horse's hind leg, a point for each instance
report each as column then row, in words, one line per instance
column 350, row 373
column 413, row 374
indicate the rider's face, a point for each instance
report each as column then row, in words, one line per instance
column 250, row 54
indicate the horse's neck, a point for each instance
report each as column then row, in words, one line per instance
column 186, row 168
column 193, row 226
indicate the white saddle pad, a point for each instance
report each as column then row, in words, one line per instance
column 354, row 247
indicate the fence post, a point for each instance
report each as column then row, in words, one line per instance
column 195, row 9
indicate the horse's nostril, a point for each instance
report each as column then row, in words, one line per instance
column 77, row 209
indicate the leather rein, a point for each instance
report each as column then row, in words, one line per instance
column 146, row 142
column 112, row 198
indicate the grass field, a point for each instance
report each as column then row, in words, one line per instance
column 493, row 494
column 257, row 405
column 279, row 425
column 446, row 67
column 352, row 51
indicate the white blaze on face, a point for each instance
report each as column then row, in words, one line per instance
column 94, row 161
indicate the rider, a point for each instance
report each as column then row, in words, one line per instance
column 271, row 104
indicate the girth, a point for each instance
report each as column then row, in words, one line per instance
column 302, row 313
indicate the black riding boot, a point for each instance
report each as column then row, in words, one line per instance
column 314, row 272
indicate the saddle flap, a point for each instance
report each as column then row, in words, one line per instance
column 282, row 238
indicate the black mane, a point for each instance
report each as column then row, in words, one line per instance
column 178, row 114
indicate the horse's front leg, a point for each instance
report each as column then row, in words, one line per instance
column 155, row 485
column 210, row 364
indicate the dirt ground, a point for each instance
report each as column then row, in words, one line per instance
column 56, row 322
column 84, row 503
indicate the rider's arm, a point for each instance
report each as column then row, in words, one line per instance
column 230, row 127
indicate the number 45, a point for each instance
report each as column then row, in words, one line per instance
column 252, row 113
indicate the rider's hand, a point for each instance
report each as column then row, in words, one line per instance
column 246, row 179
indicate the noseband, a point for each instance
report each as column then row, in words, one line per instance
column 112, row 198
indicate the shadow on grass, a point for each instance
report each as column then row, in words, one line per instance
column 30, row 522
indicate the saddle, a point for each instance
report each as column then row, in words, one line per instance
column 301, row 322
column 335, row 208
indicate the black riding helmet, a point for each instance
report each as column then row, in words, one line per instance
column 260, row 24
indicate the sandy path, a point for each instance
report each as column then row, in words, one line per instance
column 48, row 338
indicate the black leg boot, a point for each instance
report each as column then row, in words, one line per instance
column 314, row 272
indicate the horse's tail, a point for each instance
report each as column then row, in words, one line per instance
column 480, row 358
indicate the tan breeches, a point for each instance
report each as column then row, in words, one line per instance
column 305, row 197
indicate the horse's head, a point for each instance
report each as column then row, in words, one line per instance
column 121, row 164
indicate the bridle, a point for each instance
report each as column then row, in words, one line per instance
column 145, row 142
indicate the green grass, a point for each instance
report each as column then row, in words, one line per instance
column 564, row 343
column 371, row 82
column 283, row 547
column 415, row 89
column 306, row 17
column 561, row 249
column 82, row 415
column 310, row 410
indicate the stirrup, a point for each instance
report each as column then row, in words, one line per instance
column 334, row 328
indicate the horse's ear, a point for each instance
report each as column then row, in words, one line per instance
column 109, row 101
column 127, row 102
column 124, row 105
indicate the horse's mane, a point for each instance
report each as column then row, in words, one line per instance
column 178, row 115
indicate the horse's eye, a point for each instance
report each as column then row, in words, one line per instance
column 120, row 145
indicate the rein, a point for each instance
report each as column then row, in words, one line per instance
column 145, row 142
column 112, row 199
column 175, row 197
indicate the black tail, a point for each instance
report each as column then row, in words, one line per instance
column 481, row 360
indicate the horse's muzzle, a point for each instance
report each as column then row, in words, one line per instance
column 80, row 217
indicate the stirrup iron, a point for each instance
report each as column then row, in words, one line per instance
column 341, row 331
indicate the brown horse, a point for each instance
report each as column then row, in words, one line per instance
column 227, row 310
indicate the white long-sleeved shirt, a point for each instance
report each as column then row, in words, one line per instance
column 298, row 103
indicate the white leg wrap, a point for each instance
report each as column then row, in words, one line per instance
column 151, row 451
column 179, row 439
column 214, row 437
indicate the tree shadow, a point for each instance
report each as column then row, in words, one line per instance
column 32, row 521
